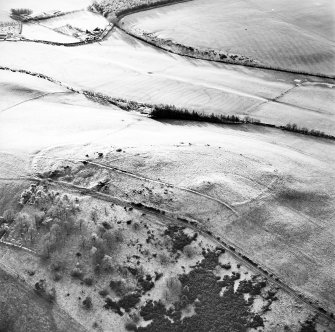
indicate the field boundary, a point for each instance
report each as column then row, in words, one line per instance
column 96, row 39
column 209, row 54
column 168, row 45
column 188, row 51
column 131, row 105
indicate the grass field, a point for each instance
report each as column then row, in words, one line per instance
column 288, row 35
column 284, row 209
column 278, row 184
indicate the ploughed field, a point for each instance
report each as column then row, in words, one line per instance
column 146, row 74
column 290, row 35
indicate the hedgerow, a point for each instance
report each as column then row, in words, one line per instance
column 172, row 112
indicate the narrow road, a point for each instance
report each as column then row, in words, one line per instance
column 30, row 99
column 118, row 170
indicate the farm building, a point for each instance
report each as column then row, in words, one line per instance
column 8, row 26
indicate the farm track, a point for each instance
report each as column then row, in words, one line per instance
column 34, row 98
column 140, row 177
column 194, row 224
column 265, row 193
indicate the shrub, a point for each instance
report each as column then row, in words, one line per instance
column 9, row 216
column 302, row 130
column 136, row 226
column 108, row 264
column 189, row 251
column 88, row 281
column 47, row 246
column 94, row 216
column 129, row 301
column 164, row 259
column 173, row 290
column 130, row 326
column 77, row 273
column 119, row 238
column 110, row 240
column 57, row 276
column 51, row 295
column 20, row 11
column 146, row 284
column 104, row 292
column 119, row 287
column 179, row 238
column 99, row 252
column 40, row 286
column 87, row 303
column 101, row 230
column 57, row 266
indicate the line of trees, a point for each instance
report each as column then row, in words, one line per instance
column 172, row 112
column 20, row 13
column 303, row 130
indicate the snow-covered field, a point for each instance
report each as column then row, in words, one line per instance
column 37, row 114
column 269, row 192
column 38, row 31
column 277, row 182
column 66, row 28
column 293, row 35
column 83, row 20
column 123, row 67
column 45, row 5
